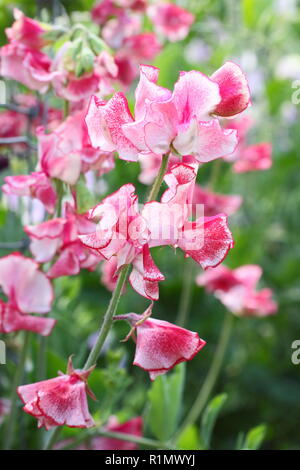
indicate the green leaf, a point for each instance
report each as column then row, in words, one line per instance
column 165, row 397
column 253, row 11
column 209, row 418
column 189, row 439
column 254, row 437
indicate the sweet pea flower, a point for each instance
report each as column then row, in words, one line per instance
column 28, row 291
column 124, row 232
column 215, row 203
column 236, row 289
column 61, row 401
column 27, row 31
column 13, row 124
column 181, row 119
column 246, row 157
column 28, row 66
column 67, row 151
column 160, row 345
column 36, row 185
column 171, row 21
column 132, row 427
column 59, row 236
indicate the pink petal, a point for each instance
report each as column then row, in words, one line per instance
column 234, row 90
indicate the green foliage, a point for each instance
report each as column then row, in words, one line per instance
column 254, row 438
column 210, row 416
column 165, row 401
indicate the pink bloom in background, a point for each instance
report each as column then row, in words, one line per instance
column 4, row 408
column 26, row 31
column 12, row 124
column 246, row 158
column 142, row 47
column 160, row 345
column 236, row 289
column 28, row 291
column 26, row 65
column 171, row 21
column 181, row 118
column 132, row 427
column 60, row 236
column 59, row 401
column 254, row 157
column 127, row 234
column 67, row 151
column 216, row 203
column 36, row 185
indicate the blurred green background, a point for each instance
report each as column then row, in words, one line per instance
column 262, row 384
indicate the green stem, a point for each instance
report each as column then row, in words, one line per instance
column 159, row 178
column 41, row 362
column 60, row 194
column 143, row 441
column 211, row 377
column 108, row 317
column 66, row 109
column 9, row 433
column 52, row 438
column 215, row 174
column 186, row 292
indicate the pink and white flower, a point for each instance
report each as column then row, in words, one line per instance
column 36, row 185
column 61, row 401
column 160, row 345
column 124, row 232
column 26, row 65
column 60, row 236
column 181, row 119
column 236, row 289
column 28, row 291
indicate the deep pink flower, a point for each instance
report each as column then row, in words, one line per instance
column 216, row 203
column 249, row 157
column 127, row 234
column 26, row 31
column 36, row 185
column 236, row 289
column 67, row 151
column 60, row 236
column 5, row 406
column 142, row 47
column 181, row 119
column 28, row 291
column 59, row 401
column 171, row 21
column 104, row 10
column 160, row 345
column 26, row 65
column 132, row 427
column 254, row 157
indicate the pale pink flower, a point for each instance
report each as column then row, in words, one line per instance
column 26, row 65
column 59, row 236
column 28, row 291
column 61, row 401
column 215, row 203
column 160, row 345
column 236, row 289
column 171, row 21
column 36, row 185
